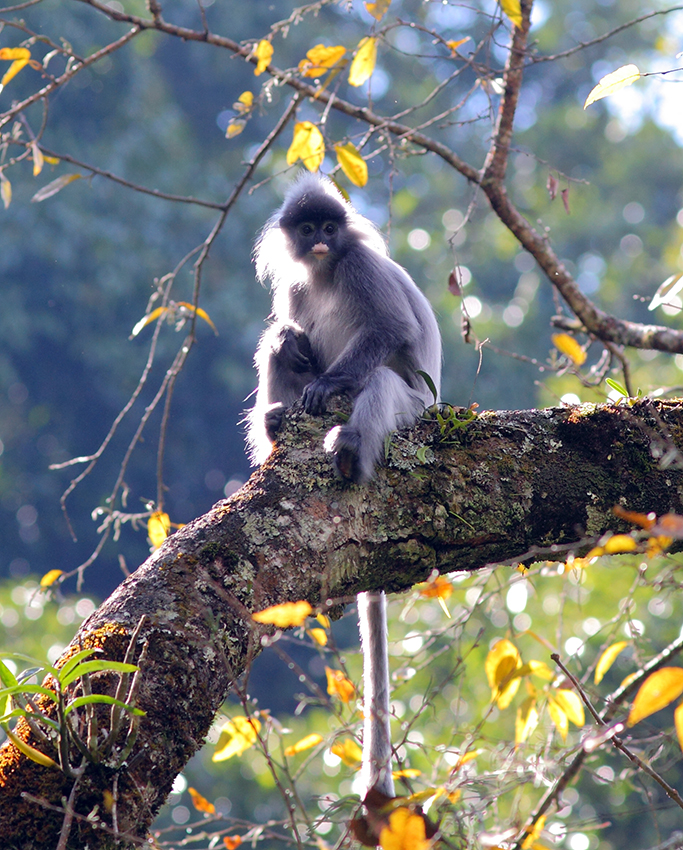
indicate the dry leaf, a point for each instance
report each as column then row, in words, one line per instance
column 304, row 744
column 200, row 803
column 236, row 736
column 363, row 62
column 657, row 691
column 352, row 163
column 338, row 685
column 614, row 82
column 378, row 9
column 569, row 347
column 284, row 616
column 264, row 53
column 607, row 659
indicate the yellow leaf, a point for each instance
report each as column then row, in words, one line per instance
column 534, row 833
column 200, row 803
column 364, row 61
column 406, row 831
column 235, row 127
column 21, row 56
column 526, row 720
column 323, row 620
column 307, row 145
column 608, row 658
column 148, row 319
column 338, row 685
column 319, row 636
column 235, row 738
column 158, row 526
column 620, row 543
column 408, row 773
column 244, row 102
column 348, row 751
column 5, row 190
column 285, row 615
column 678, row 722
column 201, row 313
column 320, row 59
column 352, row 163
column 38, row 159
column 541, row 669
column 29, row 751
column 513, row 10
column 378, row 9
column 570, row 347
column 264, row 53
column 467, row 757
column 54, row 187
column 559, row 718
column 500, row 665
column 50, row 577
column 657, row 691
column 611, row 83
column 454, row 45
column 304, row 744
column 570, row 703
column 627, row 681
column 232, row 842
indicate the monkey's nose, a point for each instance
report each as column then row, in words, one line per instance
column 320, row 248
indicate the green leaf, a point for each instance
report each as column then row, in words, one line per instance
column 29, row 751
column 97, row 667
column 102, row 698
column 7, row 677
column 615, row 385
column 430, row 383
column 69, row 665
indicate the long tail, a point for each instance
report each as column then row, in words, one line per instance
column 372, row 621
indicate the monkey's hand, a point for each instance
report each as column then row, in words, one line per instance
column 294, row 352
column 316, row 394
column 273, row 420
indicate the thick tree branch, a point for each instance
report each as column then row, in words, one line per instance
column 498, row 486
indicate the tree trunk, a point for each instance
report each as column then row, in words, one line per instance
column 500, row 488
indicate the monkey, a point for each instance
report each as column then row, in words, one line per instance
column 347, row 320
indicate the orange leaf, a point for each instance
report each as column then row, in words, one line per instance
column 406, row 831
column 200, row 803
column 454, row 45
column 440, row 588
column 619, row 543
column 339, row 686
column 232, row 842
column 643, row 520
column 678, row 722
column 284, row 616
column 608, row 658
column 657, row 691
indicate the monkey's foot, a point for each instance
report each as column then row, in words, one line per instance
column 273, row 420
column 345, row 446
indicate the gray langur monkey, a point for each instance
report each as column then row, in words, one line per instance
column 346, row 319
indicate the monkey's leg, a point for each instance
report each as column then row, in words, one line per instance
column 372, row 622
column 385, row 403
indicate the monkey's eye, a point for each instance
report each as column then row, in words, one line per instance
column 329, row 228
column 306, row 229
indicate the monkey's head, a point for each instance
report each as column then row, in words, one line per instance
column 315, row 225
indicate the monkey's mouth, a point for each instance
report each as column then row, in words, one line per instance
column 319, row 250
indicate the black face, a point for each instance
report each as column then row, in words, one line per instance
column 317, row 241
column 316, row 227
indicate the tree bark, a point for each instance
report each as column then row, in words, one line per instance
column 500, row 488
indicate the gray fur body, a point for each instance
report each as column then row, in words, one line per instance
column 350, row 320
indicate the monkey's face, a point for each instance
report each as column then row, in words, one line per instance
column 317, row 242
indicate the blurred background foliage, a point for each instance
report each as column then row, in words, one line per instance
column 78, row 269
